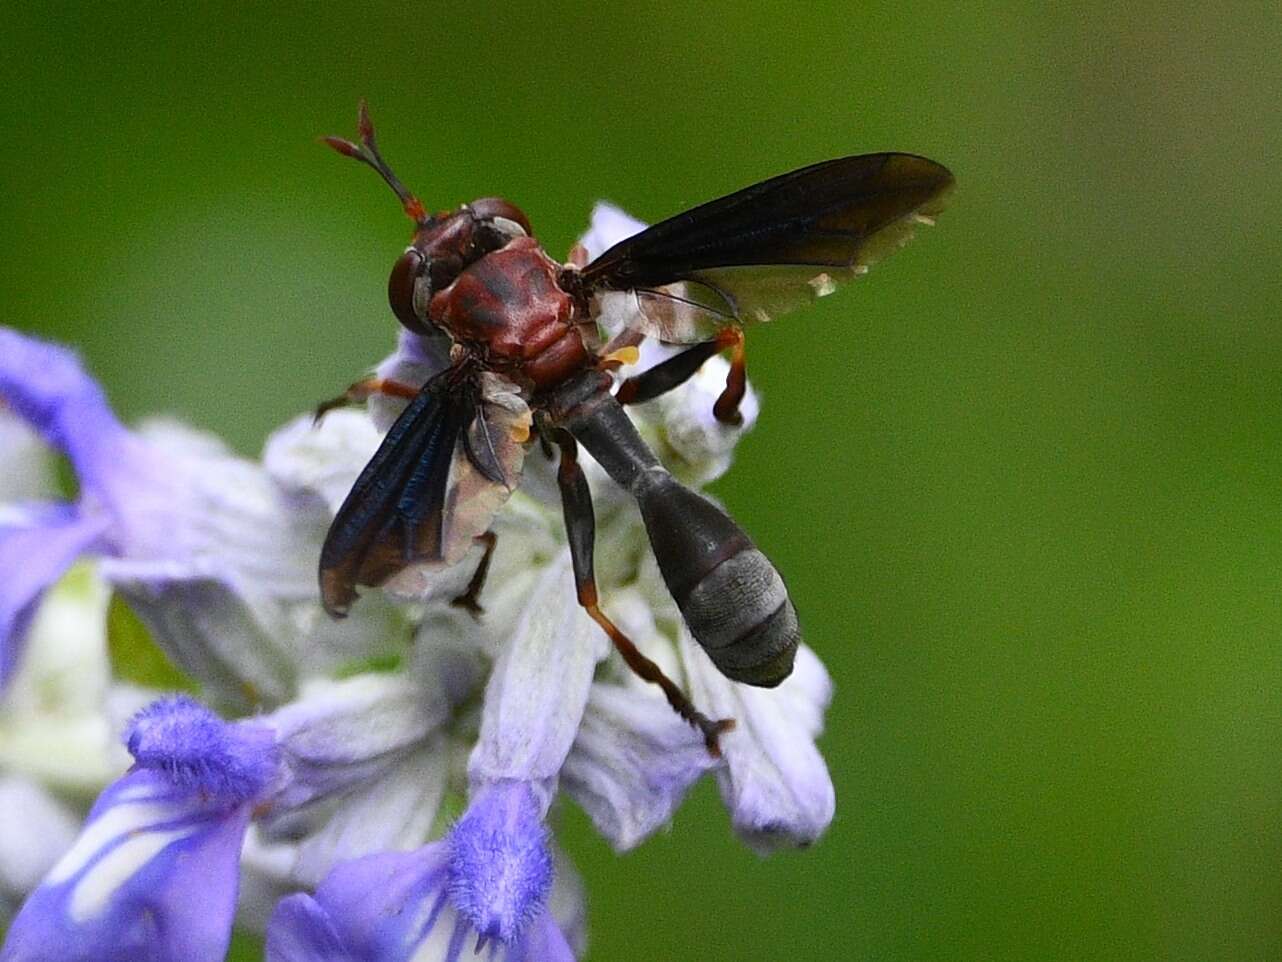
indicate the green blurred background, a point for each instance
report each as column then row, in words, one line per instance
column 1023, row 481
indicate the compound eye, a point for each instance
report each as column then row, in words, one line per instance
column 488, row 208
column 400, row 291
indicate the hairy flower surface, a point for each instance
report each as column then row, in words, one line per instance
column 358, row 743
column 155, row 870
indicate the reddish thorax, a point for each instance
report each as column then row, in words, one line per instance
column 509, row 306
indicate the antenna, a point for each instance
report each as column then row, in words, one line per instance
column 367, row 153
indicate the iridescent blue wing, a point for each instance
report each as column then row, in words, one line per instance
column 449, row 461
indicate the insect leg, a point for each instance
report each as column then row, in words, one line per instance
column 679, row 368
column 726, row 410
column 663, row 377
column 580, row 526
column 468, row 599
column 362, row 390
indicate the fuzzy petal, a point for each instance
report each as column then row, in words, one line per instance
column 220, row 515
column 32, row 559
column 632, row 763
column 775, row 782
column 341, row 734
column 392, row 813
column 323, row 460
column 500, row 865
column 155, row 870
column 395, row 907
column 538, row 689
column 201, row 754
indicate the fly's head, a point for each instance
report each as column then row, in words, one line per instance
column 444, row 243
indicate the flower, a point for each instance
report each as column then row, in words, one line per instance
column 206, row 547
column 357, row 740
column 486, row 884
column 154, row 872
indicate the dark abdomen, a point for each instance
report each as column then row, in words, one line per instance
column 730, row 595
column 732, row 598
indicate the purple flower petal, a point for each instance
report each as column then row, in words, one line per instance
column 32, row 559
column 367, row 766
column 634, row 759
column 153, row 876
column 154, row 872
column 46, row 385
column 344, row 734
column 301, row 931
column 775, row 782
column 395, row 907
column 202, row 754
column 538, row 689
column 500, row 867
column 373, row 909
column 320, row 462
column 543, row 942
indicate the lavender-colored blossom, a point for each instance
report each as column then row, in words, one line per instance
column 154, row 873
column 774, row 781
column 208, row 549
column 368, row 764
column 378, row 726
column 482, row 892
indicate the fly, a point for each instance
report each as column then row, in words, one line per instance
column 527, row 360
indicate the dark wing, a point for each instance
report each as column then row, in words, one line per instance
column 443, row 470
column 766, row 249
